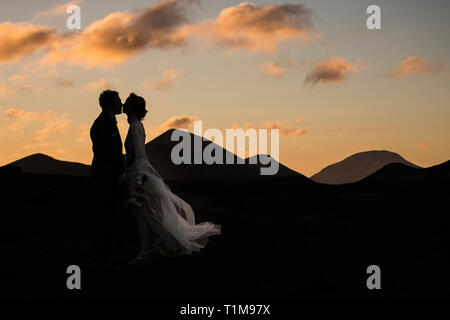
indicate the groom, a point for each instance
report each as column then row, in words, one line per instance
column 107, row 167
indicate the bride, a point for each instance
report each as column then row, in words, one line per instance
column 165, row 222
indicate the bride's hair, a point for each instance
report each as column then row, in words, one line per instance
column 139, row 105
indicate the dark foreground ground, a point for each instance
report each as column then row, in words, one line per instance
column 283, row 239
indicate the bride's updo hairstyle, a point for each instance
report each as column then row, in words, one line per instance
column 139, row 105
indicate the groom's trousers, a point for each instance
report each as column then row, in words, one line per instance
column 106, row 188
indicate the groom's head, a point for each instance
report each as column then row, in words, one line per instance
column 110, row 101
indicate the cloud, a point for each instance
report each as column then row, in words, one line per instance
column 168, row 80
column 61, row 124
column 182, row 122
column 16, row 83
column 61, row 151
column 272, row 69
column 121, row 35
column 292, row 132
column 414, row 66
column 23, row 39
column 176, row 122
column 40, row 71
column 65, row 82
column 83, row 133
column 57, row 10
column 279, row 124
column 424, row 146
column 256, row 28
column 20, row 81
column 48, row 122
column 101, row 84
column 245, row 127
column 4, row 90
column 25, row 116
column 109, row 41
column 362, row 127
column 336, row 69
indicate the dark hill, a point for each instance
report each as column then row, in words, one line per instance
column 159, row 153
column 399, row 172
column 41, row 163
column 358, row 166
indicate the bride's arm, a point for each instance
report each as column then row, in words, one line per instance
column 139, row 152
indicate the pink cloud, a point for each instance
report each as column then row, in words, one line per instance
column 57, row 10
column 424, row 146
column 23, row 39
column 176, row 122
column 336, row 69
column 48, row 122
column 278, row 124
column 168, row 80
column 272, row 69
column 121, row 35
column 101, row 84
column 415, row 66
column 256, row 28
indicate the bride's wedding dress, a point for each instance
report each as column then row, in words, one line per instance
column 165, row 221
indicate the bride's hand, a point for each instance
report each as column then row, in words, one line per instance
column 140, row 183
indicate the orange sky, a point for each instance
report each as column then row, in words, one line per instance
column 314, row 71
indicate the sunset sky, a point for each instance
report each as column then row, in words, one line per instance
column 310, row 68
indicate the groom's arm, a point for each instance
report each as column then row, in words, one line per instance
column 99, row 137
column 107, row 150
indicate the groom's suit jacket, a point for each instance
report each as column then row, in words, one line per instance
column 108, row 162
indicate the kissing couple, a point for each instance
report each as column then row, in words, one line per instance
column 165, row 222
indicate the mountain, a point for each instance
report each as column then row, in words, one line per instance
column 358, row 166
column 399, row 172
column 41, row 163
column 159, row 153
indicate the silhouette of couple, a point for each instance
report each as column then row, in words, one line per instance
column 165, row 222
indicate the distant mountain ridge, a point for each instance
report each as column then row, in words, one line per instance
column 159, row 153
column 399, row 172
column 358, row 166
column 369, row 165
column 41, row 163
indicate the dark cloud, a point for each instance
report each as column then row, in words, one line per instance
column 332, row 70
column 251, row 27
column 21, row 39
column 65, row 82
column 121, row 35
